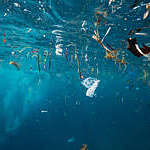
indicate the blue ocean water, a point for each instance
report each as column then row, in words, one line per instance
column 57, row 88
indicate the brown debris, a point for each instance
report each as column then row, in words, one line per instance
column 121, row 61
column 109, row 56
column 110, row 53
column 99, row 16
column 15, row 64
column 96, row 37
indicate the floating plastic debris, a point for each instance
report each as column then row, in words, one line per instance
column 141, row 34
column 147, row 11
column 44, row 111
column 96, row 37
column 15, row 64
column 106, row 34
column 12, row 53
column 110, row 1
column 16, row 4
column 84, row 23
column 26, row 10
column 136, row 7
column 134, row 48
column 29, row 30
column 5, row 14
column 57, row 32
column 91, row 90
column 58, row 49
column 91, row 84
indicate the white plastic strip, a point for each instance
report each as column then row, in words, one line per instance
column 137, row 47
column 106, row 33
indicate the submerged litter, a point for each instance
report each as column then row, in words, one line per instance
column 135, row 50
column 106, row 33
column 110, row 52
column 91, row 84
column 44, row 111
column 110, row 1
column 15, row 64
column 96, row 37
column 147, row 11
column 141, row 34
column 29, row 30
column 16, row 4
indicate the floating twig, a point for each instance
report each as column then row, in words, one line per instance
column 96, row 37
column 109, row 46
